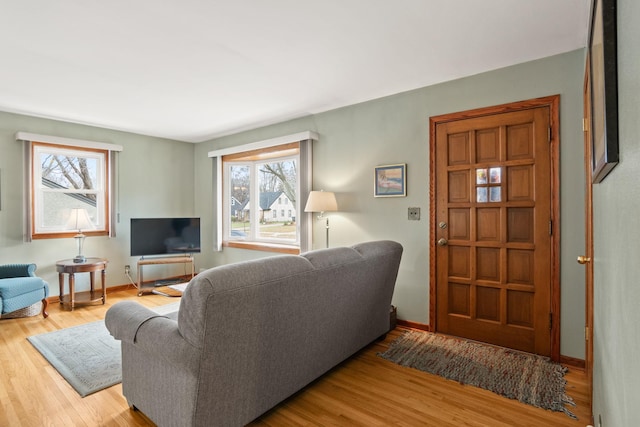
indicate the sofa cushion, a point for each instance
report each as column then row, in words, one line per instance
column 326, row 258
column 135, row 316
column 20, row 302
column 17, row 270
column 230, row 278
column 11, row 288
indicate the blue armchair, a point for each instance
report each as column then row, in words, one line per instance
column 21, row 288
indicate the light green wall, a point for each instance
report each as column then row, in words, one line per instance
column 155, row 179
column 616, row 203
column 160, row 177
column 395, row 129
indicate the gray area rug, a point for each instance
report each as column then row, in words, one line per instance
column 531, row 379
column 87, row 356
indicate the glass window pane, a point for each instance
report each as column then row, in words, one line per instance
column 495, row 194
column 240, row 187
column 278, row 183
column 481, row 176
column 57, row 210
column 495, row 175
column 69, row 172
column 481, row 194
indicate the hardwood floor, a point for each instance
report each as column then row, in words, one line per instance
column 366, row 390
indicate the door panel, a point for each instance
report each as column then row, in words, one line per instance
column 493, row 210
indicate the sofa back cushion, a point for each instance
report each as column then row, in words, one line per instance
column 232, row 278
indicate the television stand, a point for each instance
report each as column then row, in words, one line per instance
column 166, row 260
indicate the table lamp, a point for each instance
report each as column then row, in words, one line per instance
column 79, row 220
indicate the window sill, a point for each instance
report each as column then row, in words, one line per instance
column 265, row 247
column 67, row 234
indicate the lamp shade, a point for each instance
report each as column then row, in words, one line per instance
column 321, row 201
column 79, row 220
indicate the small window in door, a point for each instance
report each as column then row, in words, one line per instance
column 488, row 185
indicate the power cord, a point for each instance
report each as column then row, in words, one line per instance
column 130, row 278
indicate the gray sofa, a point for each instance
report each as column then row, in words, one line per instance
column 249, row 335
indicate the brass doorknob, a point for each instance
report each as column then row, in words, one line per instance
column 442, row 242
column 583, row 259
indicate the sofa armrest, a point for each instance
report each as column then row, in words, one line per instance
column 150, row 332
column 17, row 270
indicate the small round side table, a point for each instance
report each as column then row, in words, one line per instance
column 91, row 265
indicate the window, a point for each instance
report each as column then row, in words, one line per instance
column 66, row 178
column 260, row 180
column 69, row 186
column 258, row 175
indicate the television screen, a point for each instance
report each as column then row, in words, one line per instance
column 165, row 236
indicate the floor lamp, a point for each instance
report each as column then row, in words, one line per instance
column 322, row 201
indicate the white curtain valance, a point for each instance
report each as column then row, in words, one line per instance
column 302, row 136
column 33, row 137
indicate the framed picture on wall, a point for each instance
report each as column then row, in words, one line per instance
column 390, row 181
column 604, row 88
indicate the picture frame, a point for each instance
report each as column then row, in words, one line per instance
column 604, row 88
column 390, row 180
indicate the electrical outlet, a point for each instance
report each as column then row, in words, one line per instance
column 127, row 269
column 414, row 214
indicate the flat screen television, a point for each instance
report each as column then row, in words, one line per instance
column 165, row 236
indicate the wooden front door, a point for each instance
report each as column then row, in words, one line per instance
column 493, row 224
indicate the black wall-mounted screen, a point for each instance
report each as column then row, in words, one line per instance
column 165, row 236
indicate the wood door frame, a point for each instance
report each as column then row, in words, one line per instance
column 553, row 103
column 588, row 242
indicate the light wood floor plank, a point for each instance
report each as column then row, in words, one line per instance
column 366, row 390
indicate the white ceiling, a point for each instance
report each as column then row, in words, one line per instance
column 192, row 70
